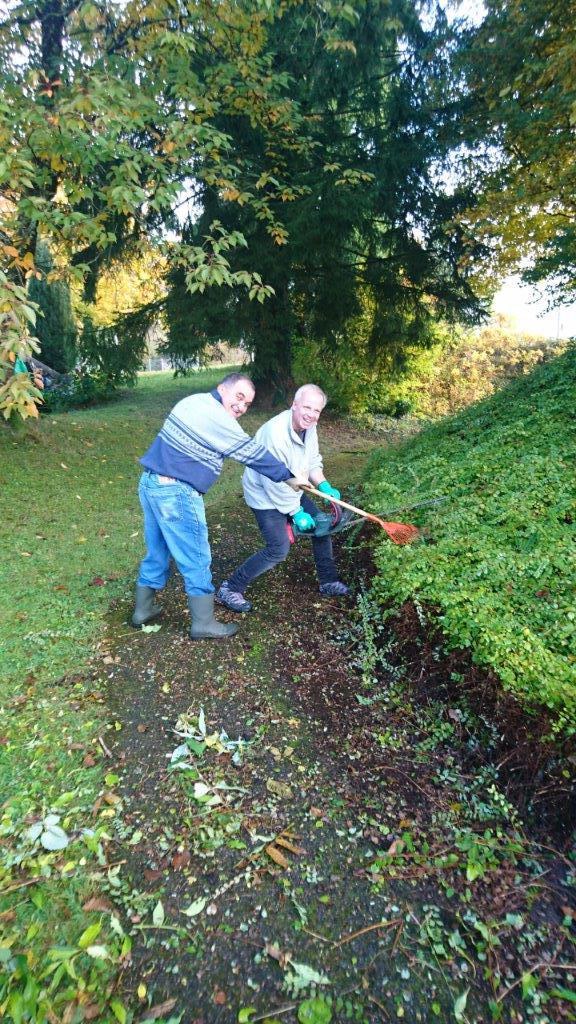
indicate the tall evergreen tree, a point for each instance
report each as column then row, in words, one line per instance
column 55, row 326
column 366, row 210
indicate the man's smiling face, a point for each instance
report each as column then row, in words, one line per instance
column 306, row 409
column 237, row 397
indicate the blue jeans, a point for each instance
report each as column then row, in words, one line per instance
column 174, row 524
column 272, row 525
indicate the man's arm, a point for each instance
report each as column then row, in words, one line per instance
column 316, row 474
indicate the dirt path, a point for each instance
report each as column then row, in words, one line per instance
column 337, row 864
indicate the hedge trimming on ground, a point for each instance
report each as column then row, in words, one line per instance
column 498, row 558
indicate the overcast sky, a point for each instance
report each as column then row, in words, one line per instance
column 529, row 311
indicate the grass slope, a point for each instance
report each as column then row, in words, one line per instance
column 499, row 558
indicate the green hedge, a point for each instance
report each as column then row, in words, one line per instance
column 498, row 559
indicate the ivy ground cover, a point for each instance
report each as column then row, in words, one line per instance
column 493, row 492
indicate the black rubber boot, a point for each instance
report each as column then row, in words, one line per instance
column 146, row 608
column 204, row 625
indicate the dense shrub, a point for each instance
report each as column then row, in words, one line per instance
column 79, row 389
column 112, row 355
column 364, row 368
column 453, row 369
column 498, row 561
column 474, row 365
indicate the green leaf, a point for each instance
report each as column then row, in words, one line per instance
column 196, row 747
column 196, row 907
column 308, row 975
column 97, row 952
column 158, row 914
column 88, row 936
column 54, row 838
column 564, row 993
column 314, row 1011
column 245, row 1014
column 118, row 1011
column 529, row 984
column 460, row 1005
column 474, row 870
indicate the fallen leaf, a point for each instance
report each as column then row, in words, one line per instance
column 220, row 997
column 160, row 1010
column 395, row 847
column 273, row 950
column 142, row 727
column 316, row 812
column 281, row 841
column 180, row 860
column 276, row 856
column 153, row 874
column 97, row 582
column 195, row 908
column 279, row 788
column 98, row 903
column 91, row 1011
column 89, row 761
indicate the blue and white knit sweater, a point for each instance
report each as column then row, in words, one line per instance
column 196, row 438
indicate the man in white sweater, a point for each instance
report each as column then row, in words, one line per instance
column 292, row 438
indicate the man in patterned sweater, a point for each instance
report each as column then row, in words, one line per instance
column 182, row 463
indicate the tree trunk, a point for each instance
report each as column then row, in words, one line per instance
column 272, row 350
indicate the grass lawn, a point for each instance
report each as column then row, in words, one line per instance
column 72, row 538
column 72, row 535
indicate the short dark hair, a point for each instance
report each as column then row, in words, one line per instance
column 234, row 378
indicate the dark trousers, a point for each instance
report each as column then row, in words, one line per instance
column 272, row 525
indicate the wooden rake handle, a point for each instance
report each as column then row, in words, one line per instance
column 399, row 533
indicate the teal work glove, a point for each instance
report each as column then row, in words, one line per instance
column 328, row 490
column 303, row 520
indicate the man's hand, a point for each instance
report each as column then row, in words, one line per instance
column 296, row 482
column 328, row 490
column 303, row 520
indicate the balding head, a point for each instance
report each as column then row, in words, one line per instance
column 308, row 403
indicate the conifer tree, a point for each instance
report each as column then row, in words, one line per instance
column 367, row 211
